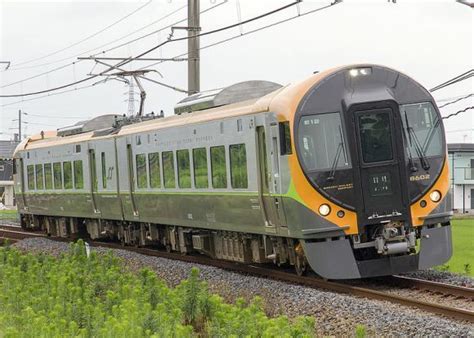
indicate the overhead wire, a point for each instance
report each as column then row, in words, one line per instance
column 457, row 100
column 458, row 112
column 128, row 60
column 108, row 43
column 113, row 48
column 47, row 95
column 454, row 80
column 88, row 37
column 246, row 33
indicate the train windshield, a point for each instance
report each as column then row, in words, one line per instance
column 422, row 128
column 322, row 143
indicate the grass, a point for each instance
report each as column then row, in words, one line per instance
column 9, row 213
column 462, row 260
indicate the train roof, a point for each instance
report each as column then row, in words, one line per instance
column 283, row 100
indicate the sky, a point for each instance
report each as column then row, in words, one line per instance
column 431, row 41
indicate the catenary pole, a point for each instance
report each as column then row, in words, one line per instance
column 193, row 47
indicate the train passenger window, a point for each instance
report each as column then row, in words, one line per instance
column 39, row 176
column 78, row 175
column 167, row 159
column 218, row 167
column 48, row 176
column 238, row 166
column 184, row 168
column 200, row 168
column 104, row 170
column 67, row 174
column 57, row 175
column 321, row 142
column 285, row 138
column 142, row 179
column 154, row 170
column 30, row 170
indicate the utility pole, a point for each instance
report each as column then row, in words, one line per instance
column 193, row 47
column 19, row 124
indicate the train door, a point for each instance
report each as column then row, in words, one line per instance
column 21, row 172
column 93, row 179
column 107, row 199
column 275, row 190
column 265, row 181
column 131, row 179
column 380, row 152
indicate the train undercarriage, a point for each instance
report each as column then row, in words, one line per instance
column 226, row 245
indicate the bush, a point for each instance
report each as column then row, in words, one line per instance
column 76, row 295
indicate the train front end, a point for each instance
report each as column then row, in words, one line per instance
column 371, row 163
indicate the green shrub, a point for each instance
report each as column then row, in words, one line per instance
column 360, row 331
column 95, row 296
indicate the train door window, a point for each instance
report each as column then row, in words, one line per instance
column 78, row 175
column 238, row 166
column 218, row 167
column 39, row 176
column 30, row 171
column 200, row 168
column 239, row 125
column 93, row 169
column 375, row 136
column 167, row 159
column 48, row 176
column 154, row 170
column 57, row 175
column 67, row 175
column 184, row 168
column 142, row 179
column 104, row 170
column 285, row 138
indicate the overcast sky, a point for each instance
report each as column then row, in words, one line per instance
column 432, row 41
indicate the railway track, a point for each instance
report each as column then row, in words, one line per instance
column 14, row 234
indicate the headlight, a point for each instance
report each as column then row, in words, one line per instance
column 435, row 196
column 360, row 71
column 324, row 209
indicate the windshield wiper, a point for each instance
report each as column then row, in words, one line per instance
column 418, row 148
column 340, row 149
column 412, row 165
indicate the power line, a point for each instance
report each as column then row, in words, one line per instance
column 41, row 74
column 450, row 98
column 127, row 35
column 55, row 117
column 457, row 100
column 247, row 33
column 126, row 61
column 454, row 80
column 88, row 37
column 458, row 112
column 157, row 31
column 47, row 95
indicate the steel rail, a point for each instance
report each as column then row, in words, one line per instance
column 423, row 284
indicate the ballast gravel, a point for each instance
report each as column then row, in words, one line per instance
column 335, row 314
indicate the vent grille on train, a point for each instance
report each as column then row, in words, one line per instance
column 238, row 92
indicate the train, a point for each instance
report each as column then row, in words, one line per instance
column 344, row 173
